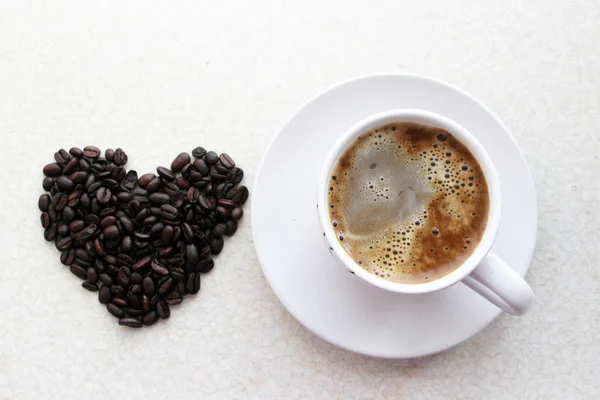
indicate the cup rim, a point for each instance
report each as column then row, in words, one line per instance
column 465, row 137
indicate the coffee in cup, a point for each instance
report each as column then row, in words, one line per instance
column 408, row 202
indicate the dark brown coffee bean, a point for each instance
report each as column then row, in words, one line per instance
column 168, row 212
column 89, row 286
column 44, row 202
column 142, row 264
column 186, row 170
column 217, row 177
column 79, row 177
column 69, row 214
column 123, row 276
column 76, row 152
column 59, row 201
column 67, row 257
column 211, row 158
column 222, row 212
column 201, row 166
column 174, row 298
column 205, row 266
column 183, row 183
column 150, row 318
column 165, row 284
column 73, row 199
column 64, row 183
column 236, row 175
column 236, row 213
column 103, row 195
column 220, row 230
column 52, row 170
column 193, row 195
column 50, row 233
column 167, row 235
column 105, row 295
column 84, row 165
column 62, row 157
column 192, row 285
column 158, row 268
column 108, row 221
column 146, row 179
column 45, row 218
column 121, row 302
column 226, row 203
column 130, row 322
column 199, row 152
column 127, row 224
column 180, row 161
column 47, row 183
column 136, row 289
column 117, row 291
column 111, row 232
column 109, row 154
column 120, row 158
column 158, row 198
column 207, row 202
column 240, row 196
column 148, row 286
column 216, row 245
column 163, row 310
column 231, row 228
column 92, row 275
column 106, row 279
column 204, row 252
column 78, row 271
column 91, row 152
column 227, row 161
column 63, row 229
column 64, row 243
column 154, row 185
column 133, row 301
column 115, row 310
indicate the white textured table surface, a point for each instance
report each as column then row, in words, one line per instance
column 157, row 78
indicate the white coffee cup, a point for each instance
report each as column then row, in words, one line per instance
column 484, row 272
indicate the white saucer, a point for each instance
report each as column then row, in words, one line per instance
column 319, row 292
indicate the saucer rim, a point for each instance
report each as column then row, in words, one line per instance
column 462, row 92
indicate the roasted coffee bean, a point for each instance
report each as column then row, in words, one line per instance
column 168, row 212
column 47, row 183
column 199, row 152
column 59, row 201
column 183, row 183
column 52, row 170
column 236, row 213
column 241, row 195
column 117, row 291
column 211, row 158
column 164, row 284
column 106, row 279
column 177, row 273
column 220, row 230
column 121, row 302
column 154, row 184
column 105, row 295
column 91, row 152
column 179, row 162
column 44, row 202
column 45, row 218
column 62, row 157
column 89, row 286
column 115, row 310
column 227, row 161
column 120, row 158
column 226, row 203
column 205, row 266
column 150, row 318
column 69, row 214
column 124, row 260
column 134, row 312
column 158, row 198
column 166, row 174
column 158, row 268
column 148, row 286
column 204, row 252
column 103, row 195
column 67, row 257
column 136, row 289
column 145, row 179
column 162, row 309
column 186, row 170
column 50, row 233
column 193, row 283
column 133, row 301
column 142, row 264
column 63, row 229
column 216, row 245
column 108, row 221
column 127, row 224
column 78, row 271
column 236, row 175
column 207, row 203
column 123, row 276
column 64, row 183
column 217, row 177
column 174, row 298
column 64, row 243
column 178, row 198
column 130, row 322
column 231, row 228
column 111, row 232
column 109, row 154
column 92, row 275
column 201, row 166
column 193, row 194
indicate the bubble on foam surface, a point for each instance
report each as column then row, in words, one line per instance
column 399, row 196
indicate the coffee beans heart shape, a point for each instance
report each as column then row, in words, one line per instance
column 141, row 242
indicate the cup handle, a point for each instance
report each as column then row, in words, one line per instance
column 499, row 284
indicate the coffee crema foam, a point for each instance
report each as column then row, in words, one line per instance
column 408, row 202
